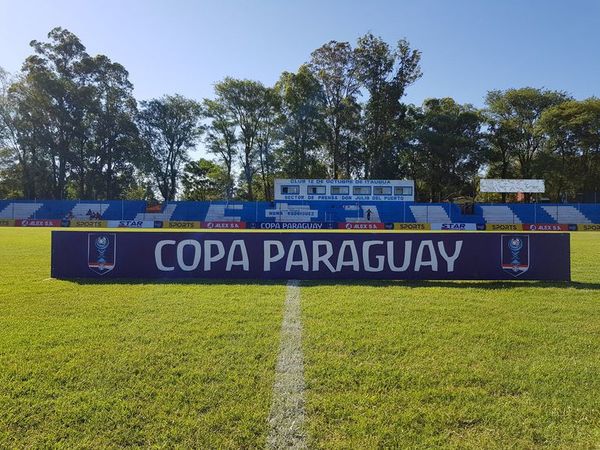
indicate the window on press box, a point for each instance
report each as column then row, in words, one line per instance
column 316, row 190
column 290, row 190
column 361, row 190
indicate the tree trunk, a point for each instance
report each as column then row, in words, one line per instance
column 248, row 173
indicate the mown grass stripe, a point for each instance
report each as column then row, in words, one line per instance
column 286, row 420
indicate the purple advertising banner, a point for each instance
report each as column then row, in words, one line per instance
column 311, row 255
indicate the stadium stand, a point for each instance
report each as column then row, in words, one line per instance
column 303, row 211
column 60, row 209
column 19, row 210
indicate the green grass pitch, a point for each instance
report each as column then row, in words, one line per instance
column 387, row 364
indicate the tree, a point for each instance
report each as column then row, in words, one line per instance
column 516, row 136
column 10, row 176
column 268, row 137
column 303, row 130
column 221, row 138
column 573, row 129
column 334, row 66
column 53, row 106
column 170, row 127
column 249, row 104
column 114, row 148
column 204, row 180
column 450, row 148
column 385, row 73
column 71, row 118
column 501, row 159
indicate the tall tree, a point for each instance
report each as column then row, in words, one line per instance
column 114, row 147
column 170, row 127
column 11, row 176
column 303, row 131
column 501, row 158
column 450, row 148
column 385, row 73
column 246, row 101
column 72, row 117
column 221, row 138
column 573, row 128
column 516, row 134
column 204, row 180
column 267, row 139
column 334, row 66
column 53, row 107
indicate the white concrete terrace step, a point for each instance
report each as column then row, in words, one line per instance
column 80, row 210
column 430, row 213
column 499, row 214
column 216, row 213
column 566, row 214
column 20, row 210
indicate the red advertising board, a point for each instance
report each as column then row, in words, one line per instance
column 545, row 227
column 38, row 223
column 361, row 226
column 223, row 225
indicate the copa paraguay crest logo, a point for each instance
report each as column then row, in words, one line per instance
column 102, row 252
column 515, row 254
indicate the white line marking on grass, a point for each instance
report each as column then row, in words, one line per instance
column 286, row 420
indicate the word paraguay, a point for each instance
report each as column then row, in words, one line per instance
column 316, row 256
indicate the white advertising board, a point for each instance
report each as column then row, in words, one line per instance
column 500, row 185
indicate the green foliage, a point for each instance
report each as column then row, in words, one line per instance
column 69, row 120
column 573, row 129
column 516, row 137
column 70, row 128
column 204, row 180
column 254, row 109
column 9, row 176
column 386, row 74
column 334, row 66
column 303, row 130
column 170, row 127
column 449, row 149
column 221, row 139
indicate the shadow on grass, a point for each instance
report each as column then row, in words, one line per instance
column 167, row 281
column 466, row 284
column 449, row 284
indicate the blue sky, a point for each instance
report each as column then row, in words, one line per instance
column 469, row 47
